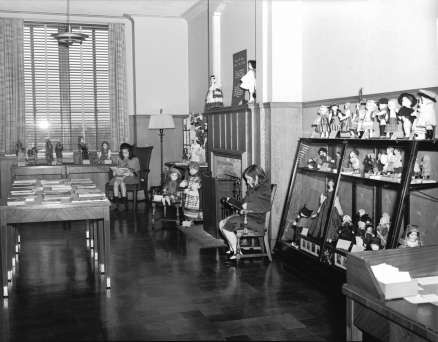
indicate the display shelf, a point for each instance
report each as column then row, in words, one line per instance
column 403, row 186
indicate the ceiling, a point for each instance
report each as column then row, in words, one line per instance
column 159, row 8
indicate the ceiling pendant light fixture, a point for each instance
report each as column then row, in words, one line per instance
column 69, row 37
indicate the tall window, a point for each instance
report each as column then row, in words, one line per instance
column 66, row 88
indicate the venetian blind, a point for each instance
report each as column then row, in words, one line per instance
column 66, row 88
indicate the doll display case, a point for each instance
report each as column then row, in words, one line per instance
column 359, row 195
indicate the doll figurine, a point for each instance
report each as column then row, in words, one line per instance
column 324, row 127
column 397, row 162
column 426, row 167
column 382, row 115
column 369, row 163
column 369, row 236
column 425, row 123
column 412, row 237
column 322, row 214
column 58, row 151
column 361, row 113
column 368, row 120
column 248, row 81
column 346, row 118
column 382, row 228
column 417, row 170
column 105, row 151
column 335, row 121
column 214, row 97
column 49, row 152
column 83, row 147
column 390, row 161
column 406, row 112
column 171, row 193
column 303, row 220
column 192, row 210
column 346, row 230
column 354, row 161
column 324, row 162
column 391, row 127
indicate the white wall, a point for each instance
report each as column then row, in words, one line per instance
column 198, row 60
column 161, row 49
column 381, row 46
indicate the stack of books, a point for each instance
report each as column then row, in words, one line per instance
column 90, row 195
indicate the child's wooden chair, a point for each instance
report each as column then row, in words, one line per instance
column 157, row 196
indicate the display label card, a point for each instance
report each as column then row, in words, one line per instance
column 343, row 244
column 239, row 69
column 304, row 231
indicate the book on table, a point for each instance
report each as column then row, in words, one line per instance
column 120, row 171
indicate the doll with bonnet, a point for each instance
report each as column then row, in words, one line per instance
column 171, row 193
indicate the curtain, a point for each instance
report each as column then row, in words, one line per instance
column 11, row 85
column 117, row 85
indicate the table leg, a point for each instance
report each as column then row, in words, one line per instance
column 106, row 229
column 353, row 333
column 100, row 242
column 4, row 252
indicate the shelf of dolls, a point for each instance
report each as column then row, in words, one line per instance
column 378, row 180
column 317, row 172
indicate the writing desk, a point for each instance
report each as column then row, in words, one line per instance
column 389, row 320
column 95, row 212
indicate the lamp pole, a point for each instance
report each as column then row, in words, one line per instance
column 161, row 154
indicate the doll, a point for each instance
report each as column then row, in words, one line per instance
column 407, row 102
column 192, row 210
column 335, row 122
column 412, row 237
column 369, row 164
column 248, row 81
column 303, row 220
column 346, row 118
column 426, row 167
column 322, row 214
column 58, row 151
column 382, row 229
column 354, row 161
column 417, row 170
column 83, row 147
column 324, row 162
column 171, row 192
column 361, row 113
column 324, row 127
column 382, row 115
column 316, row 124
column 397, row 162
column 369, row 235
column 390, row 160
column 425, row 123
column 105, row 151
column 368, row 122
column 214, row 97
column 391, row 128
column 346, row 230
column 49, row 151
column 197, row 152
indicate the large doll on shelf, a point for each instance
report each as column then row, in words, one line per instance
column 323, row 213
column 406, row 112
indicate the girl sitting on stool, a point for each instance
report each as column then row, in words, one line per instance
column 256, row 203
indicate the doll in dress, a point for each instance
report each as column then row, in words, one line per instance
column 171, row 193
column 354, row 161
column 192, row 185
column 382, row 229
column 426, row 167
column 335, row 122
column 248, row 81
column 382, row 115
column 346, row 118
column 49, row 151
column 369, row 164
column 361, row 113
column 412, row 237
column 105, row 151
column 322, row 214
column 368, row 121
column 406, row 112
column 346, row 230
column 425, row 123
column 214, row 97
column 324, row 127
column 324, row 162
column 391, row 127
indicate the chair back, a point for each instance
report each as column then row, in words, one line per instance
column 268, row 213
column 144, row 156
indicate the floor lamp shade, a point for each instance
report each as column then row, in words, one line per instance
column 161, row 122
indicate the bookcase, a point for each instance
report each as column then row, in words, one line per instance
column 388, row 193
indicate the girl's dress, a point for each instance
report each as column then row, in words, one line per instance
column 192, row 204
column 134, row 165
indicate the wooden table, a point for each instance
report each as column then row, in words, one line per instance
column 389, row 320
column 95, row 212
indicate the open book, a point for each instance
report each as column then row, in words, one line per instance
column 120, row 171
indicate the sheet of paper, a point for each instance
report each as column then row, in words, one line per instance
column 428, row 280
column 304, row 231
column 422, row 299
column 343, row 244
column 388, row 274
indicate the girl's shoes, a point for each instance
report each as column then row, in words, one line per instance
column 235, row 256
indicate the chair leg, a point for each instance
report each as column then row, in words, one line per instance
column 164, row 210
column 177, row 214
column 267, row 247
column 135, row 199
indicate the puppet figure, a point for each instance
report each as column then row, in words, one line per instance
column 425, row 123
column 406, row 112
column 249, row 81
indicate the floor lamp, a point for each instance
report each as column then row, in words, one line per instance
column 161, row 122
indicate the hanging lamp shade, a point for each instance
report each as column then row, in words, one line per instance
column 69, row 37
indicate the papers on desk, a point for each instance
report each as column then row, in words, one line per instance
column 388, row 274
column 423, row 299
column 428, row 281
